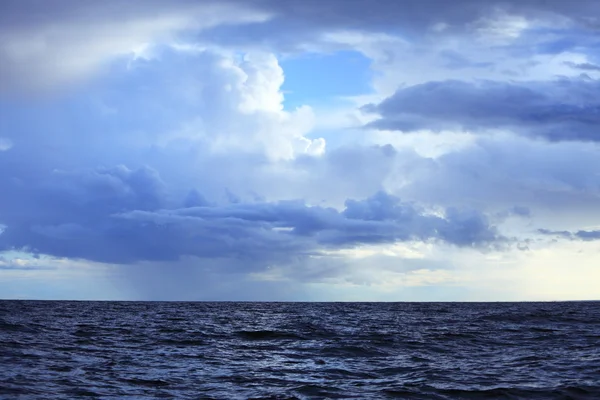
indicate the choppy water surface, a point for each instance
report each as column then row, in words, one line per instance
column 299, row 350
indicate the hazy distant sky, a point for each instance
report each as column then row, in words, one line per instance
column 300, row 149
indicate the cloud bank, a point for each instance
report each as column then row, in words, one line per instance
column 554, row 110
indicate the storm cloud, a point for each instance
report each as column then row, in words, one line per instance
column 557, row 110
column 117, row 215
column 68, row 37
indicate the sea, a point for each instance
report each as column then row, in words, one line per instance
column 226, row 350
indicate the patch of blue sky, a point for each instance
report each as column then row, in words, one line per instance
column 323, row 79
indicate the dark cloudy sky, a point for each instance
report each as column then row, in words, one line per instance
column 300, row 149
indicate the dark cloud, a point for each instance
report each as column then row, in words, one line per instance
column 588, row 235
column 293, row 226
column 324, row 14
column 299, row 21
column 556, row 110
column 63, row 196
column 121, row 215
column 577, row 235
column 65, row 214
column 561, row 234
column 42, row 45
column 584, row 66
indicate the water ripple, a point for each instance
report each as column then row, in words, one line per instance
column 299, row 351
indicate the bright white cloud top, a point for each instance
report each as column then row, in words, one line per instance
column 300, row 150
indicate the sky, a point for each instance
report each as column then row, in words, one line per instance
column 300, row 150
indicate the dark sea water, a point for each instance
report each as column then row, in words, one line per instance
column 128, row 350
